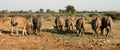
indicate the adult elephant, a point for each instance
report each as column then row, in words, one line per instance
column 107, row 23
column 17, row 23
column 59, row 24
column 37, row 23
column 80, row 26
column 69, row 24
column 96, row 24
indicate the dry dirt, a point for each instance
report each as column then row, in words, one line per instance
column 50, row 40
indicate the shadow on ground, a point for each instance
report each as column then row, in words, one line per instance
column 5, row 31
column 64, row 32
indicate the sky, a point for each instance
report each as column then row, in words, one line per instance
column 80, row 5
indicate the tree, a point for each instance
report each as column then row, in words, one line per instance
column 70, row 9
column 41, row 10
column 37, row 12
column 113, row 14
column 5, row 11
column 13, row 11
column 48, row 11
column 60, row 10
column 30, row 11
column 21, row 11
column 63, row 11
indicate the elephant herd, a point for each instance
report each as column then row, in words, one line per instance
column 98, row 25
column 102, row 25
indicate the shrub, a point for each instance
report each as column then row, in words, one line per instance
column 28, row 16
column 113, row 14
column 47, row 18
column 1, row 15
column 95, row 15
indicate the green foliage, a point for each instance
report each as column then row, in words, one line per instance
column 48, row 11
column 28, row 16
column 60, row 10
column 41, row 10
column 21, row 11
column 95, row 15
column 113, row 14
column 4, row 11
column 70, row 9
column 14, row 12
column 37, row 12
column 47, row 18
column 1, row 15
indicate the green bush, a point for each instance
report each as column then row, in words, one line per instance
column 95, row 15
column 113, row 14
column 28, row 16
column 47, row 18
column 1, row 15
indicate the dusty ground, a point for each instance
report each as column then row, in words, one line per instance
column 50, row 40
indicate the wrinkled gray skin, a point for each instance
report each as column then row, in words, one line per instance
column 19, row 23
column 58, row 24
column 37, row 23
column 80, row 26
column 69, row 24
column 96, row 24
column 106, row 24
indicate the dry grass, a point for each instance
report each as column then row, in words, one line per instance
column 50, row 40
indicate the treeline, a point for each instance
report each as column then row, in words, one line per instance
column 68, row 11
